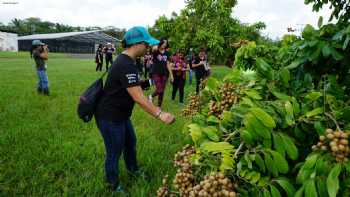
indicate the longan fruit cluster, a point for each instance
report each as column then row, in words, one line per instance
column 184, row 178
column 192, row 107
column 228, row 98
column 214, row 186
column 336, row 142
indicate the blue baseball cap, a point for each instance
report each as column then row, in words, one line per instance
column 139, row 34
column 37, row 42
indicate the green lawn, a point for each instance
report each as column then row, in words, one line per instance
column 45, row 150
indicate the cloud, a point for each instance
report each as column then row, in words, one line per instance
column 277, row 14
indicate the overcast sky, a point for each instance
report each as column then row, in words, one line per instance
column 277, row 14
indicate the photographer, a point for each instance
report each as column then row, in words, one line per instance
column 122, row 89
column 40, row 54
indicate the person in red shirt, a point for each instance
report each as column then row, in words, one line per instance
column 179, row 69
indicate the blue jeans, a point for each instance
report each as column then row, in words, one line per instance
column 43, row 83
column 119, row 137
column 190, row 76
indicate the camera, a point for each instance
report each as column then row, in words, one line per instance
column 145, row 84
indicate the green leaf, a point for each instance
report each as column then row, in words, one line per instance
column 320, row 22
column 213, row 120
column 310, row 161
column 280, row 95
column 333, row 181
column 280, row 162
column 278, row 144
column 336, row 55
column 326, row 51
column 266, row 193
column 195, row 132
column 227, row 162
column 253, row 94
column 289, row 146
column 287, row 186
column 314, row 112
column 212, row 84
column 255, row 127
column 270, row 165
column 295, row 64
column 217, row 147
column 285, row 75
column 313, row 96
column 319, row 128
column 289, row 113
column 247, row 137
column 255, row 178
column 260, row 162
column 310, row 188
column 211, row 132
column 227, row 119
column 264, row 117
column 300, row 192
column 274, row 191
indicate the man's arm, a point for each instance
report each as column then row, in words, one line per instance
column 44, row 55
column 137, row 94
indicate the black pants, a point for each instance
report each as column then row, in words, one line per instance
column 99, row 66
column 109, row 60
column 178, row 84
column 199, row 78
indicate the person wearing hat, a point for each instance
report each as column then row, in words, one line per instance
column 122, row 89
column 109, row 50
column 40, row 54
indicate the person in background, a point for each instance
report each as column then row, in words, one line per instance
column 39, row 53
column 179, row 68
column 189, row 59
column 147, row 62
column 99, row 58
column 199, row 68
column 161, row 70
column 108, row 51
column 122, row 89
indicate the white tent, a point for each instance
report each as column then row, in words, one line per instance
column 8, row 42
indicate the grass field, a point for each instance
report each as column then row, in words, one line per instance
column 45, row 150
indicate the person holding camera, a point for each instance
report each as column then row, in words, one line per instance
column 200, row 68
column 179, row 68
column 122, row 89
column 40, row 54
column 161, row 70
column 109, row 50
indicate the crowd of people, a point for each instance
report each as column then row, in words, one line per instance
column 144, row 56
column 159, row 65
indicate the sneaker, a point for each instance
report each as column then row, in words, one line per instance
column 150, row 98
column 120, row 190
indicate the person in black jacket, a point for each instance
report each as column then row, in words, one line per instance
column 99, row 58
column 122, row 89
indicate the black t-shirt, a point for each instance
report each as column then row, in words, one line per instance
column 200, row 70
column 109, row 52
column 39, row 61
column 160, row 61
column 116, row 104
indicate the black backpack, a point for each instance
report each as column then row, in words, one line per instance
column 89, row 99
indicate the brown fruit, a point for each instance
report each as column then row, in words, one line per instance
column 329, row 130
column 330, row 136
column 334, row 148
column 337, row 134
column 322, row 138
